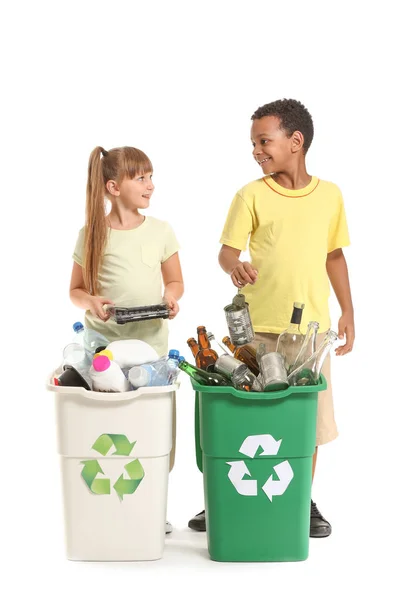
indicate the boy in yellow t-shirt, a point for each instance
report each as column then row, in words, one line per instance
column 297, row 228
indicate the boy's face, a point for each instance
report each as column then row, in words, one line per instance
column 273, row 149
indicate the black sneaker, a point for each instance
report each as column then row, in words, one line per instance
column 198, row 523
column 319, row 527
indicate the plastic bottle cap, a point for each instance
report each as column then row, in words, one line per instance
column 77, row 327
column 106, row 353
column 173, row 354
column 181, row 358
column 139, row 376
column 101, row 363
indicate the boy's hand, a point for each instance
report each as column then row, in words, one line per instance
column 243, row 273
column 172, row 305
column 346, row 328
column 96, row 307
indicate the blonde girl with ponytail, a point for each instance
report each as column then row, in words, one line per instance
column 124, row 258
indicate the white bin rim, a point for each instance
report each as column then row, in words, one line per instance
column 108, row 396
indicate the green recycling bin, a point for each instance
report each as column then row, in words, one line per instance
column 255, row 451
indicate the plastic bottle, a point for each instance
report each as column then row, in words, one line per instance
column 107, row 376
column 157, row 373
column 74, row 355
column 88, row 338
column 173, row 363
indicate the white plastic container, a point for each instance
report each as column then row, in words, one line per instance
column 107, row 376
column 103, row 522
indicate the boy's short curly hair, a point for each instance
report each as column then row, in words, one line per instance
column 293, row 116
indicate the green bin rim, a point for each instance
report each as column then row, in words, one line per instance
column 292, row 389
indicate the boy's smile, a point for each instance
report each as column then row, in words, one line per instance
column 272, row 146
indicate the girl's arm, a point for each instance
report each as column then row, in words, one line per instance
column 336, row 267
column 173, row 283
column 81, row 297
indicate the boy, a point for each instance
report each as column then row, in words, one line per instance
column 297, row 228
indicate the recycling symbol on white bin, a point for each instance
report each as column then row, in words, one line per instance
column 248, row 487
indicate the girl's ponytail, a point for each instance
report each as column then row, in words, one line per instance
column 96, row 228
column 116, row 164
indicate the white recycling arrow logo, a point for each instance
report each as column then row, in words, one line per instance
column 238, row 468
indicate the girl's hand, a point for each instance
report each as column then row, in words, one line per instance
column 243, row 273
column 172, row 305
column 96, row 304
column 346, row 328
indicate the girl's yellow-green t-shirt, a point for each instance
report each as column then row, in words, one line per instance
column 130, row 275
column 291, row 232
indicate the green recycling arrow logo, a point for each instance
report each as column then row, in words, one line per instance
column 91, row 468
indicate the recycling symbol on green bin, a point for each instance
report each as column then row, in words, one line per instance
column 238, row 470
column 91, row 468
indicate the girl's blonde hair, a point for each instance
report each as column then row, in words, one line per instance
column 116, row 164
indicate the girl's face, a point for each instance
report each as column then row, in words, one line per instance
column 136, row 192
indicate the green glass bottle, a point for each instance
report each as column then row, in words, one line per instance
column 201, row 376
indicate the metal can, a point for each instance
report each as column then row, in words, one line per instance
column 272, row 367
column 239, row 324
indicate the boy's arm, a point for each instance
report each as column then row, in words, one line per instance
column 336, row 267
column 240, row 272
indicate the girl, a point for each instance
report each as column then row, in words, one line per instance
column 121, row 258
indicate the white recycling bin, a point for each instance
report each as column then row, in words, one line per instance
column 114, row 450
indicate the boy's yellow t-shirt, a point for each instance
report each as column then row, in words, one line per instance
column 291, row 232
column 130, row 275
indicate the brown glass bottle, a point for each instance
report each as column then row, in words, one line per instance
column 246, row 354
column 193, row 345
column 206, row 357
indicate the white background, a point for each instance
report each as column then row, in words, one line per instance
column 180, row 80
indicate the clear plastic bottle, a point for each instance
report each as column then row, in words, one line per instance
column 151, row 374
column 309, row 372
column 290, row 341
column 173, row 363
column 90, row 339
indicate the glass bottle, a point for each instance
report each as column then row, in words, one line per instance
column 193, row 345
column 201, row 376
column 237, row 372
column 291, row 340
column 308, row 347
column 246, row 354
column 215, row 345
column 206, row 357
column 309, row 372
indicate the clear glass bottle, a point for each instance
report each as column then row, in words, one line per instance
column 309, row 372
column 309, row 345
column 290, row 341
column 216, row 346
